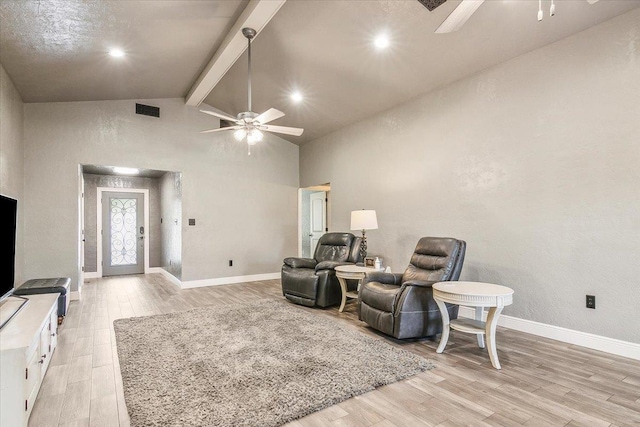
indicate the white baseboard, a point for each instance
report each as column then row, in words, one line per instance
column 96, row 275
column 173, row 279
column 229, row 280
column 213, row 282
column 583, row 339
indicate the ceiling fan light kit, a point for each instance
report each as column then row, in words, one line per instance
column 466, row 8
column 250, row 125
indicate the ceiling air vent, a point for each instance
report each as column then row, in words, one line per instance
column 432, row 4
column 147, row 110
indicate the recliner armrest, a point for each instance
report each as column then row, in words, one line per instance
column 382, row 277
column 421, row 283
column 330, row 265
column 300, row 262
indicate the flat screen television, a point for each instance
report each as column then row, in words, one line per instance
column 9, row 307
column 9, row 214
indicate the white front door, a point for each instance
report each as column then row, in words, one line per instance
column 123, row 233
column 318, row 219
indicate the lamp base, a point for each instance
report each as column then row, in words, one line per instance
column 363, row 247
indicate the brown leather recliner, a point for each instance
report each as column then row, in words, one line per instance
column 312, row 281
column 402, row 305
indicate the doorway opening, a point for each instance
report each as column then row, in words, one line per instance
column 314, row 217
column 135, row 228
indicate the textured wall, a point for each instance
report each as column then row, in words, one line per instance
column 245, row 206
column 91, row 184
column 171, row 227
column 535, row 163
column 11, row 159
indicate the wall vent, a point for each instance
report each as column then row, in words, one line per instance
column 147, row 110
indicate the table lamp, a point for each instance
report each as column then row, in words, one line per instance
column 364, row 220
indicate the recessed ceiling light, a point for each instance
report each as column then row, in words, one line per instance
column 297, row 96
column 126, row 171
column 381, row 41
column 116, row 53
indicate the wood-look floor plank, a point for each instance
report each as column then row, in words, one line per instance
column 542, row 383
column 104, row 412
column 77, row 402
column 47, row 410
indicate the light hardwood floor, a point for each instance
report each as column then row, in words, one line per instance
column 542, row 383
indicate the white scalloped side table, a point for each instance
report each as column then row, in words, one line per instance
column 478, row 295
column 353, row 272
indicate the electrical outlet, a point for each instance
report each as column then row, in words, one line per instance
column 230, row 263
column 591, row 301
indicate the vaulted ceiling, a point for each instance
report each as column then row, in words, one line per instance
column 56, row 50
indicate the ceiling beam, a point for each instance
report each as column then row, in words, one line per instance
column 256, row 15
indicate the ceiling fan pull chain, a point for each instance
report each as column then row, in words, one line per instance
column 540, row 12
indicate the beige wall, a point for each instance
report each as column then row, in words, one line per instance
column 12, row 159
column 535, row 163
column 245, row 206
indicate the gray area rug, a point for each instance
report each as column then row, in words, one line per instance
column 256, row 364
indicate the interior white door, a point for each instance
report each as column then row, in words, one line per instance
column 81, row 232
column 317, row 219
column 123, row 233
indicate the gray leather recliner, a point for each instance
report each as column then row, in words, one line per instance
column 312, row 281
column 402, row 305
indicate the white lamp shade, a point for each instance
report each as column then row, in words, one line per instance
column 364, row 220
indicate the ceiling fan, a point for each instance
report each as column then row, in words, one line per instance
column 466, row 8
column 248, row 124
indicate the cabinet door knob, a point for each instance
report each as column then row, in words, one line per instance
column 53, row 334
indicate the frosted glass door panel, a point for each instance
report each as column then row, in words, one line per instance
column 123, row 233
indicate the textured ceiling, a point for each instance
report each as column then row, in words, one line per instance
column 324, row 49
column 56, row 50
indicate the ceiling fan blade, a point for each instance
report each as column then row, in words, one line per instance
column 219, row 129
column 222, row 116
column 270, row 115
column 459, row 16
column 282, row 129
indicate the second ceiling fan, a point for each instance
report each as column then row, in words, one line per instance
column 248, row 124
column 464, row 10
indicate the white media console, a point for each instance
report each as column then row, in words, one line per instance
column 27, row 343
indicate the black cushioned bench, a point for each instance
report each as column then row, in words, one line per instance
column 51, row 285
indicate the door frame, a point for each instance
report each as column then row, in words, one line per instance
column 145, row 193
column 76, row 295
